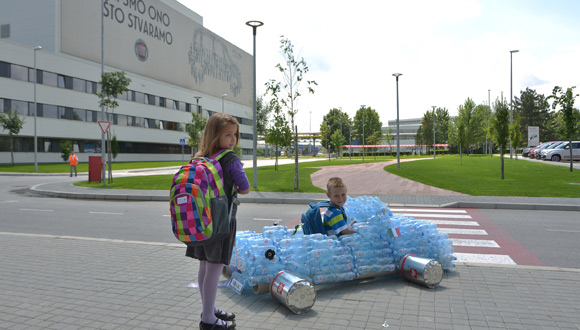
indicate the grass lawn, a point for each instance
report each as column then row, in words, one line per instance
column 82, row 167
column 481, row 176
column 269, row 179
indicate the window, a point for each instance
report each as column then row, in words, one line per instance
column 49, row 111
column 80, row 114
column 64, row 81
column 4, row 69
column 5, row 31
column 187, row 107
column 139, row 97
column 92, row 116
column 20, row 106
column 161, row 101
column 79, row 85
column 122, row 120
column 18, row 72
column 49, row 78
column 2, row 105
column 176, row 105
column 91, row 87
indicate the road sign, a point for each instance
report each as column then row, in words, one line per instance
column 182, row 142
column 104, row 125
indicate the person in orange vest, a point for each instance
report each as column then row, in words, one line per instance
column 73, row 161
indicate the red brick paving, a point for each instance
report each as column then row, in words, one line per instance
column 371, row 179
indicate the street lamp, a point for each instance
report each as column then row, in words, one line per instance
column 398, row 143
column 35, row 113
column 511, row 100
column 340, row 130
column 433, row 131
column 363, row 135
column 255, row 25
column 223, row 102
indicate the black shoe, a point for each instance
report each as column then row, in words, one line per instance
column 215, row 326
column 225, row 316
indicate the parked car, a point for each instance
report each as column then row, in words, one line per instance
column 538, row 153
column 526, row 151
column 532, row 153
column 562, row 152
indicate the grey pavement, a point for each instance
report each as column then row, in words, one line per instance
column 60, row 282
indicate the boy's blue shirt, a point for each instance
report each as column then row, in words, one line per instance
column 334, row 220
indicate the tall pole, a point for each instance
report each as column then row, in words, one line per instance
column 398, row 141
column 350, row 137
column 363, row 135
column 340, row 131
column 35, row 113
column 433, row 131
column 489, row 105
column 255, row 25
column 103, row 71
column 511, row 100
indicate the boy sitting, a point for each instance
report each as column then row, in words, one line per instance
column 335, row 218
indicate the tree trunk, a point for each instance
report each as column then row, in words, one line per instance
column 109, row 156
column 460, row 155
column 501, row 156
column 12, row 149
column 296, row 183
column 276, row 162
column 571, row 159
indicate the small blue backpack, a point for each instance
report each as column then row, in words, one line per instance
column 312, row 219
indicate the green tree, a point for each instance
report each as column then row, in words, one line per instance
column 12, row 123
column 441, row 125
column 420, row 137
column 458, row 136
column 114, row 147
column 533, row 110
column 194, row 131
column 336, row 141
column 263, row 111
column 389, row 138
column 471, row 123
column 565, row 101
column 372, row 124
column 112, row 84
column 515, row 135
column 279, row 133
column 375, row 139
column 425, row 135
column 334, row 120
column 65, row 150
column 501, row 128
column 287, row 91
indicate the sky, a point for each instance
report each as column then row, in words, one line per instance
column 446, row 50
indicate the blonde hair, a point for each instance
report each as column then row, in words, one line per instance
column 333, row 183
column 210, row 141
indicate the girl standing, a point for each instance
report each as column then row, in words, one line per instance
column 221, row 132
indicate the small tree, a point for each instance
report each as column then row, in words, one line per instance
column 65, row 150
column 501, row 129
column 565, row 100
column 516, row 135
column 195, row 130
column 114, row 147
column 279, row 134
column 337, row 141
column 112, row 84
column 12, row 123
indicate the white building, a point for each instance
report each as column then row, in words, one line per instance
column 174, row 64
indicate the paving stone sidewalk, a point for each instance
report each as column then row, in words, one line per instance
column 53, row 282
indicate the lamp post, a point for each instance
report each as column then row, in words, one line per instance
column 35, row 113
column 223, row 102
column 255, row 25
column 511, row 100
column 398, row 141
column 340, row 130
column 363, row 135
column 433, row 131
column 489, row 105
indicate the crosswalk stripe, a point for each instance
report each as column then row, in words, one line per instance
column 456, row 223
column 485, row 258
column 427, row 215
column 474, row 242
column 462, row 231
column 424, row 210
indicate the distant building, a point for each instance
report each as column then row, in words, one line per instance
column 177, row 67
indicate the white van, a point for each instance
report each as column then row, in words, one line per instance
column 562, row 152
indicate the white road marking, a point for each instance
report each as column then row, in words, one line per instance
column 179, row 245
column 263, row 219
column 423, row 210
column 485, row 258
column 106, row 213
column 36, row 210
column 450, row 216
column 475, row 242
column 564, row 230
column 12, row 201
column 457, row 223
column 462, row 231
column 167, row 215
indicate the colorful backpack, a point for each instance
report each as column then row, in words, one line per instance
column 198, row 203
column 312, row 219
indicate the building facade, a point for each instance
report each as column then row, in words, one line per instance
column 176, row 67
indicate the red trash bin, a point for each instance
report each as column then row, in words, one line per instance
column 95, row 168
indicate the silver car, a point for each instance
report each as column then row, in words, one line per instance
column 562, row 152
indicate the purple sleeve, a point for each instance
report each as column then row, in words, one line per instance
column 239, row 177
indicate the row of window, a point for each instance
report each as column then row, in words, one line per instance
column 25, row 108
column 19, row 72
column 26, row 144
